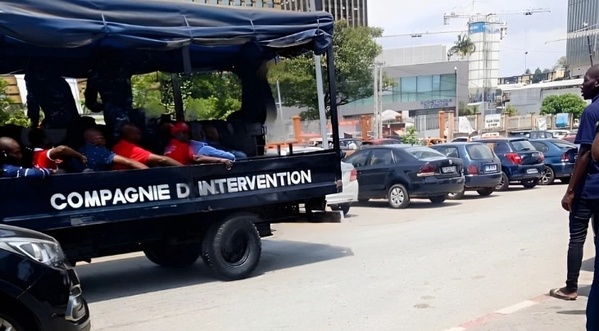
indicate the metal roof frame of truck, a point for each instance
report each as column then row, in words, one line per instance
column 166, row 212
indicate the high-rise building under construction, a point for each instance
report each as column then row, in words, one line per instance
column 583, row 35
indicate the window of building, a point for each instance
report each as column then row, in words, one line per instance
column 425, row 83
column 409, row 84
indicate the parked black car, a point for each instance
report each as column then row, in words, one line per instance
column 403, row 172
column 560, row 156
column 39, row 290
column 520, row 161
column 482, row 168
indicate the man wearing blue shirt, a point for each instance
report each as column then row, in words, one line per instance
column 100, row 158
column 582, row 194
column 593, row 303
column 11, row 158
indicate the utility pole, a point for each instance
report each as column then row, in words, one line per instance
column 319, row 87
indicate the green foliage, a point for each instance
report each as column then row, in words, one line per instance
column 463, row 47
column 565, row 103
column 10, row 113
column 205, row 95
column 411, row 136
column 538, row 76
column 464, row 110
column 510, row 110
column 354, row 50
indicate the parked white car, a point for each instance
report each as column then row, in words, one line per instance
column 336, row 201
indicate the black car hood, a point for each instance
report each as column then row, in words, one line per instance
column 7, row 231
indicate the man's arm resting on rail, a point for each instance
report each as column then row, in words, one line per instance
column 162, row 161
column 132, row 164
column 211, row 159
column 20, row 172
column 64, row 152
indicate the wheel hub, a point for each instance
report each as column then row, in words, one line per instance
column 5, row 325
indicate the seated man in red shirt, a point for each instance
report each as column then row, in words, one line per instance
column 48, row 157
column 128, row 147
column 180, row 149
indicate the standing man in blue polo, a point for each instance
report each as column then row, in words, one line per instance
column 582, row 196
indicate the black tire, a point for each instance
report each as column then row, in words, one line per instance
column 456, row 196
column 438, row 199
column 362, row 200
column 172, row 255
column 531, row 183
column 485, row 192
column 232, row 247
column 398, row 197
column 17, row 318
column 344, row 208
column 565, row 180
column 547, row 177
column 504, row 184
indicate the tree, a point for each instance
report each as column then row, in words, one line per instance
column 510, row 110
column 463, row 47
column 9, row 112
column 564, row 103
column 355, row 51
column 205, row 95
column 538, row 76
column 464, row 110
column 411, row 136
column 561, row 63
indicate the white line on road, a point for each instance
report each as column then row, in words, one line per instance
column 456, row 329
column 516, row 307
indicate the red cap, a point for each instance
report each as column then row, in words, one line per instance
column 179, row 127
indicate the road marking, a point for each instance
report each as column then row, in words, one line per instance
column 456, row 329
column 516, row 307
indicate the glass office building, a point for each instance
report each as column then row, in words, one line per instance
column 353, row 11
column 583, row 31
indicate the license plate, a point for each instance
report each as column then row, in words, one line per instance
column 491, row 168
column 447, row 170
column 532, row 171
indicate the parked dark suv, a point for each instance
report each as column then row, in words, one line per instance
column 520, row 161
column 482, row 168
column 39, row 290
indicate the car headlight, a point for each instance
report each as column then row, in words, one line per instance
column 43, row 251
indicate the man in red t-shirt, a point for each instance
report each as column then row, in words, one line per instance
column 48, row 157
column 128, row 147
column 180, row 149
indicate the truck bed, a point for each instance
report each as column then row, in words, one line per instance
column 79, row 200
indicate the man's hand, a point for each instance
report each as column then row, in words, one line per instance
column 83, row 159
column 228, row 163
column 567, row 200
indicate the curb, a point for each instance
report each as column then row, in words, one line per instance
column 480, row 321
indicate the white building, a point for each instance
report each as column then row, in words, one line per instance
column 529, row 98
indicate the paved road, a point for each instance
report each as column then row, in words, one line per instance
column 424, row 268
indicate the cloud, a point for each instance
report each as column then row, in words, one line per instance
column 525, row 33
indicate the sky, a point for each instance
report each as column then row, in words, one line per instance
column 541, row 34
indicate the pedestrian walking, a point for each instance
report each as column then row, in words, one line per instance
column 581, row 199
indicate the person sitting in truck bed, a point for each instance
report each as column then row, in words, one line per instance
column 11, row 159
column 48, row 157
column 100, row 158
column 179, row 148
column 211, row 137
column 128, row 146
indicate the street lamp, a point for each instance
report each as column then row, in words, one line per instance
column 457, row 98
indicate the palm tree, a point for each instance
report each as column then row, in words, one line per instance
column 463, row 47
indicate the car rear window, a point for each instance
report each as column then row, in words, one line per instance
column 424, row 153
column 479, row 152
column 563, row 144
column 522, row 145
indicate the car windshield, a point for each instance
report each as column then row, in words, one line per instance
column 479, row 152
column 522, row 145
column 424, row 153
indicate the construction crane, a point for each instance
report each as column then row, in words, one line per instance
column 526, row 12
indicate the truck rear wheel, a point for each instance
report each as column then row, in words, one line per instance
column 172, row 255
column 232, row 247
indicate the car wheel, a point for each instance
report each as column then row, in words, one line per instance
column 456, row 196
column 398, row 197
column 565, row 180
column 547, row 177
column 14, row 320
column 232, row 247
column 170, row 255
column 530, row 183
column 438, row 199
column 484, row 192
column 362, row 200
column 504, row 184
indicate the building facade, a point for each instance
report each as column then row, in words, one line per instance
column 247, row 3
column 583, row 33
column 355, row 12
column 528, row 99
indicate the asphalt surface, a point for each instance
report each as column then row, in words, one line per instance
column 427, row 267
